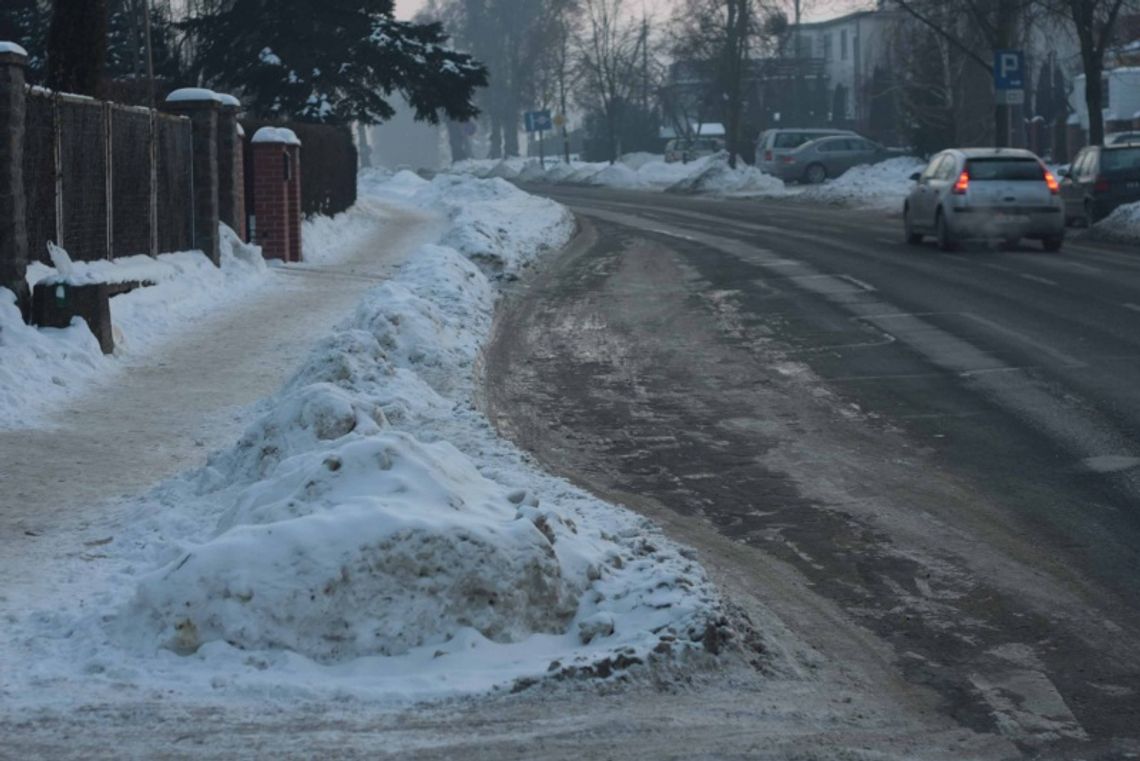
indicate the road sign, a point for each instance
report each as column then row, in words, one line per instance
column 538, row 121
column 559, row 120
column 1010, row 97
column 1009, row 70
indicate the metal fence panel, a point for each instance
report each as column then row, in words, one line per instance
column 83, row 162
column 39, row 174
column 175, row 183
column 130, row 181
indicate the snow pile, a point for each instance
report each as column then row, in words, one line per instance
column 616, row 176
column 717, row 177
column 883, row 186
column 1121, row 226
column 491, row 222
column 370, row 529
column 42, row 367
column 638, row 159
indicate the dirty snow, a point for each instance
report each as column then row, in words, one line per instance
column 370, row 532
column 1121, row 226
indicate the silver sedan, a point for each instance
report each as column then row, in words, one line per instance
column 985, row 193
column 827, row 157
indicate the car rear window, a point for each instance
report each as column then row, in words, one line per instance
column 790, row 140
column 1004, row 169
column 1120, row 158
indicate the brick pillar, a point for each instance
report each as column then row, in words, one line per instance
column 229, row 211
column 13, row 223
column 239, row 172
column 1074, row 138
column 277, row 193
column 202, row 106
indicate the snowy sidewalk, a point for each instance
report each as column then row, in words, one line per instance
column 165, row 411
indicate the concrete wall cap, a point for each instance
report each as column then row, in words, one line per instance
column 192, row 94
column 11, row 47
column 228, row 100
column 276, row 135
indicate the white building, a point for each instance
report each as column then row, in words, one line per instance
column 851, row 46
column 1121, row 89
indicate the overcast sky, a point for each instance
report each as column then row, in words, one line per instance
column 817, row 9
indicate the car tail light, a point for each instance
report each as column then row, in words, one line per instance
column 1101, row 185
column 767, row 155
column 962, row 185
column 1051, row 181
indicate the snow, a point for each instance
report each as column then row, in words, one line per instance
column 1122, row 225
column 228, row 100
column 716, row 176
column 11, row 47
column 190, row 94
column 276, row 135
column 369, row 534
column 41, row 367
column 884, row 185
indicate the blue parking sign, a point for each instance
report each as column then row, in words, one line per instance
column 1009, row 70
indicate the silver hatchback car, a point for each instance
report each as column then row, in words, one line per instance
column 985, row 193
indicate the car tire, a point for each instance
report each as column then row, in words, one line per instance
column 912, row 237
column 946, row 240
column 1052, row 243
column 815, row 174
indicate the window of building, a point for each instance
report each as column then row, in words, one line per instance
column 826, row 39
column 843, row 44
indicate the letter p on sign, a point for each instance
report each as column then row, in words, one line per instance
column 1008, row 67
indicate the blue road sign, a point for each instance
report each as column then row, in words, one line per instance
column 538, row 121
column 1009, row 70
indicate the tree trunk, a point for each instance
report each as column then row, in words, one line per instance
column 457, row 142
column 1094, row 97
column 496, row 151
column 365, row 150
column 77, row 46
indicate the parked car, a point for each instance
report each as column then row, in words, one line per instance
column 1100, row 179
column 774, row 143
column 1122, row 137
column 990, row 193
column 816, row 160
column 681, row 149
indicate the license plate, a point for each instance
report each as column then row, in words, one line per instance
column 1012, row 219
column 1132, row 185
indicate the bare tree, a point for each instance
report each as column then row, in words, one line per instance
column 77, row 46
column 720, row 34
column 1094, row 22
column 977, row 28
column 608, row 48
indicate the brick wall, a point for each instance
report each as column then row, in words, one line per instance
column 277, row 195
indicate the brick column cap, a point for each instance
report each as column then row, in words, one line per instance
column 280, row 135
column 11, row 53
column 227, row 100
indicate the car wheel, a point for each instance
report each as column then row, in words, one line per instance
column 1052, row 243
column 912, row 237
column 815, row 174
column 946, row 240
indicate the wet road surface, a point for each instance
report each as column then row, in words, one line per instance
column 944, row 445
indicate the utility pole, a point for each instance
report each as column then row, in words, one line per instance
column 149, row 53
column 644, row 63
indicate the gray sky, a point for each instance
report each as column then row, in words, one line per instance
column 820, row 9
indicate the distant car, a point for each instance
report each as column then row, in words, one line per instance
column 1100, row 179
column 991, row 193
column 1117, row 138
column 774, row 143
column 816, row 160
column 689, row 149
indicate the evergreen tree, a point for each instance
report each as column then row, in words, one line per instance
column 77, row 46
column 25, row 22
column 333, row 61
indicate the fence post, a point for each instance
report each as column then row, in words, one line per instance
column 202, row 107
column 13, row 224
column 229, row 211
column 277, row 195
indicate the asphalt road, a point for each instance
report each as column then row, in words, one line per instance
column 945, row 445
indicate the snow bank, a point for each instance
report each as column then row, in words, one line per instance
column 42, row 367
column 371, row 530
column 717, row 177
column 882, row 186
column 1121, row 226
column 638, row 159
column 491, row 222
column 615, row 176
